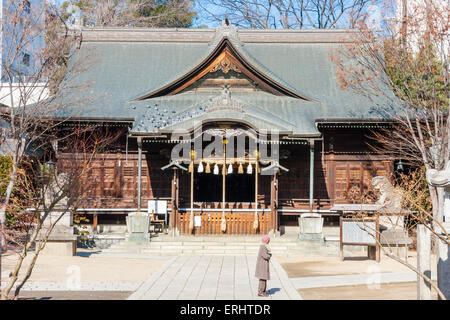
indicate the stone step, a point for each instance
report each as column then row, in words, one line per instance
column 164, row 245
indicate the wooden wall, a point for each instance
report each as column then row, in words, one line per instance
column 343, row 163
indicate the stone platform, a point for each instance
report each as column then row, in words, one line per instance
column 224, row 245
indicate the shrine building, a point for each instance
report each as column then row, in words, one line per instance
column 239, row 131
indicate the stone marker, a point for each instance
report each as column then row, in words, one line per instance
column 138, row 225
column 310, row 226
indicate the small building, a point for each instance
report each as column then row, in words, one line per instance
column 226, row 124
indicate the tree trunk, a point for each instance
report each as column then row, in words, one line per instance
column 12, row 180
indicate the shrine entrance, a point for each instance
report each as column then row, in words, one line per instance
column 223, row 183
column 238, row 187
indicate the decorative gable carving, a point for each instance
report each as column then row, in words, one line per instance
column 225, row 62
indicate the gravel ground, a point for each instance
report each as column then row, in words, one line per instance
column 74, row 295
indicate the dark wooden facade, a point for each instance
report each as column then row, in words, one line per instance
column 343, row 167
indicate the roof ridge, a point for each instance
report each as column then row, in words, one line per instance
column 114, row 34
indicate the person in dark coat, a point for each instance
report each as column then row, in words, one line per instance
column 262, row 266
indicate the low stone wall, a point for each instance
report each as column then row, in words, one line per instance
column 106, row 240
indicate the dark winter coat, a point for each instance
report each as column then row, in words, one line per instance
column 262, row 263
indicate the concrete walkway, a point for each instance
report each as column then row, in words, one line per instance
column 213, row 278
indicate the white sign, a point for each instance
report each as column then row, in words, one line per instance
column 197, row 221
column 158, row 207
column 358, row 232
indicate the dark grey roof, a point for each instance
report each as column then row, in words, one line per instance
column 128, row 64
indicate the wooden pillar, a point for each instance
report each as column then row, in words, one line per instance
column 311, row 174
column 256, row 222
column 139, row 142
column 192, row 169
column 174, row 201
column 224, row 172
column 95, row 223
column 274, row 201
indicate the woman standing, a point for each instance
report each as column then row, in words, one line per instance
column 262, row 266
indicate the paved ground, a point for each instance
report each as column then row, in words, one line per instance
column 213, row 278
column 386, row 291
column 89, row 277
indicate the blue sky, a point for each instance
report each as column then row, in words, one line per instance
column 376, row 16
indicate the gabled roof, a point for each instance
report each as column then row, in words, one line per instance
column 225, row 57
column 136, row 69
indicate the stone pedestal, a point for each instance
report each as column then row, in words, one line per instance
column 61, row 246
column 443, row 267
column 396, row 240
column 310, row 227
column 138, row 224
column 62, row 240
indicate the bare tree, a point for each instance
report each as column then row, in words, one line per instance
column 34, row 99
column 288, row 14
column 44, row 195
column 407, row 64
column 415, row 209
column 413, row 63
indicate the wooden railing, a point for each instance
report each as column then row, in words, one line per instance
column 237, row 223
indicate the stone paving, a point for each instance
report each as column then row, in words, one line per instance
column 214, row 278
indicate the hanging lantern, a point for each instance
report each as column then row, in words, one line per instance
column 240, row 169
column 216, row 169
column 400, row 166
column 208, row 168
column 200, row 167
column 249, row 169
column 230, row 169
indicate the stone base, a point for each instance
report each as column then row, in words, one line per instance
column 138, row 237
column 400, row 251
column 60, row 248
column 443, row 268
column 311, row 237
